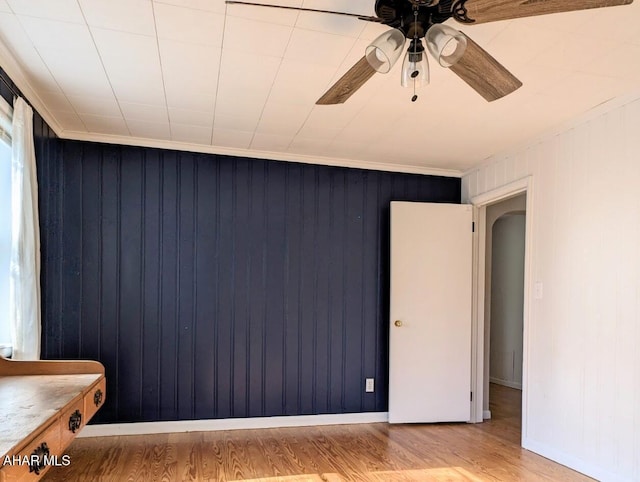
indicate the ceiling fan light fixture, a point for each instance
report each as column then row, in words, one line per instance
column 384, row 51
column 446, row 44
column 415, row 67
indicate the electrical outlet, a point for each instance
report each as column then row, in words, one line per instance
column 368, row 385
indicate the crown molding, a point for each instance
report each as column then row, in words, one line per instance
column 274, row 156
column 13, row 69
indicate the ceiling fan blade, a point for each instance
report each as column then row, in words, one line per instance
column 347, row 85
column 481, row 11
column 484, row 73
column 366, row 18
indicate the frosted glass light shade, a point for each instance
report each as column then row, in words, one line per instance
column 415, row 67
column 385, row 50
column 446, row 44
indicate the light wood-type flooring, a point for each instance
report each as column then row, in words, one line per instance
column 367, row 452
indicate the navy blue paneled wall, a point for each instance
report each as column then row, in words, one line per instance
column 213, row 286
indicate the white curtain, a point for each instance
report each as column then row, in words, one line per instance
column 24, row 303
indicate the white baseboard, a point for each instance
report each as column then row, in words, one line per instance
column 506, row 383
column 486, row 415
column 575, row 463
column 146, row 428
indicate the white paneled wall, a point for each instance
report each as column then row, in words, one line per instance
column 584, row 333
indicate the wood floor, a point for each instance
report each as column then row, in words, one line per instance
column 367, row 452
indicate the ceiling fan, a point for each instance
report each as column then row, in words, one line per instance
column 415, row 20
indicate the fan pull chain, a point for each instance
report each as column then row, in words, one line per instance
column 415, row 73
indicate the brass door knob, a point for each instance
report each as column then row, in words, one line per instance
column 398, row 323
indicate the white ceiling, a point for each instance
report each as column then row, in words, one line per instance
column 205, row 76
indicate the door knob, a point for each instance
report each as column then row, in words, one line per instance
column 398, row 323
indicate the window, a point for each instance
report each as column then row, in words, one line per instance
column 5, row 222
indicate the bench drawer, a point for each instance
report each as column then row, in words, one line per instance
column 47, row 443
column 71, row 421
column 94, row 399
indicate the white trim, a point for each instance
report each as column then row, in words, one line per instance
column 5, row 108
column 481, row 201
column 572, row 462
column 502, row 192
column 6, row 123
column 506, row 383
column 594, row 112
column 486, row 414
column 13, row 70
column 527, row 305
column 257, row 154
column 146, row 428
column 477, row 306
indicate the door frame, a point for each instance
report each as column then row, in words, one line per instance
column 480, row 203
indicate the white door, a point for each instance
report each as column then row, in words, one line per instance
column 430, row 313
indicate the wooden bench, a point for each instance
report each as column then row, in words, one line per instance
column 43, row 406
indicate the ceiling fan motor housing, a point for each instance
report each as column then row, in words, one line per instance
column 401, row 14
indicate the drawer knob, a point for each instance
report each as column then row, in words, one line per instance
column 75, row 420
column 97, row 397
column 39, row 453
